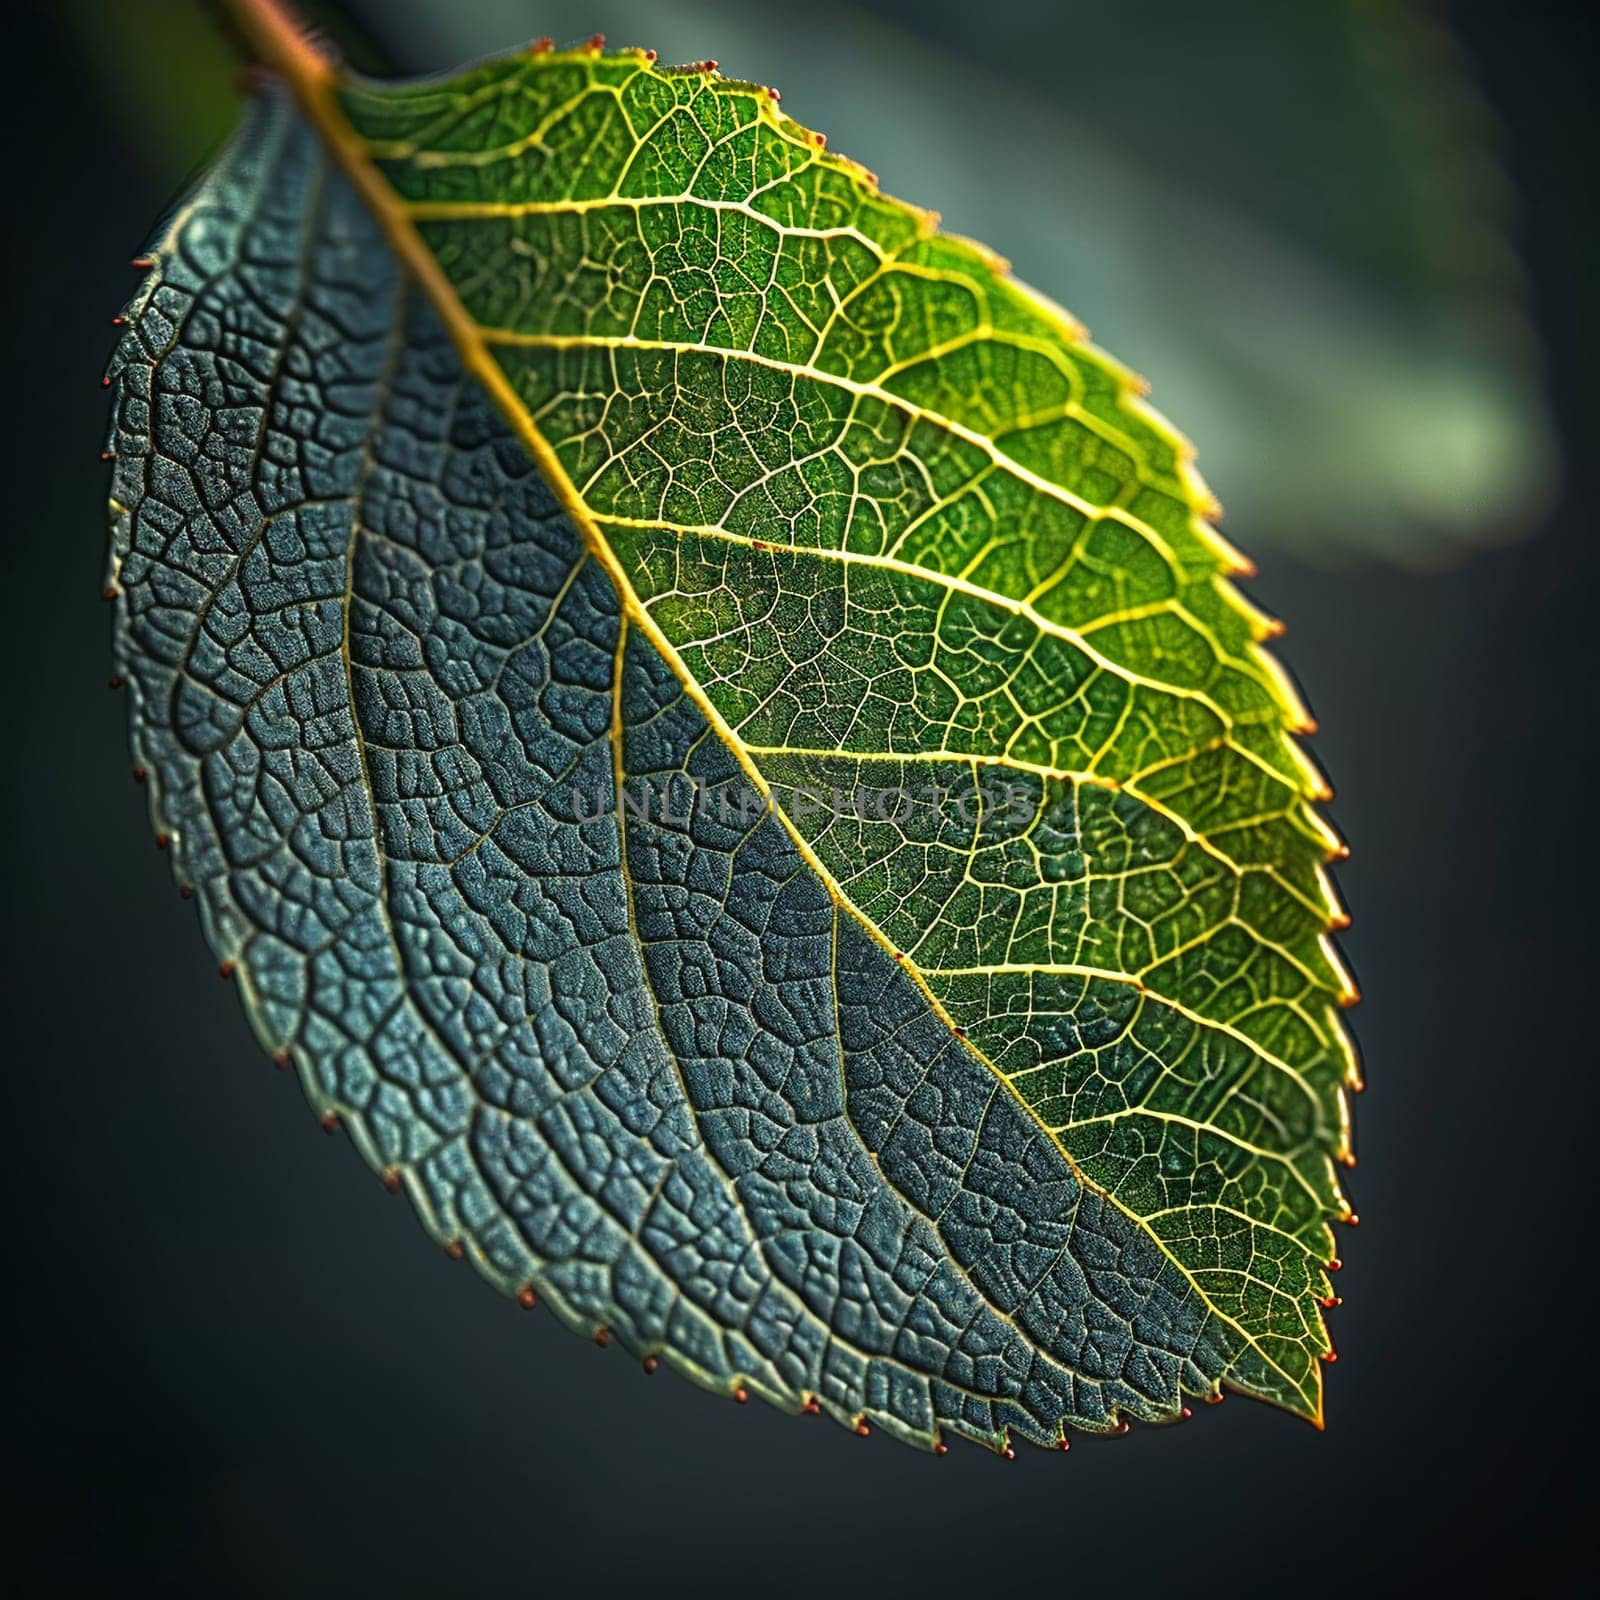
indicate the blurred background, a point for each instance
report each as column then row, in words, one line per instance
column 1352, row 246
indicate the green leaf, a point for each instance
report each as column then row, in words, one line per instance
column 713, row 729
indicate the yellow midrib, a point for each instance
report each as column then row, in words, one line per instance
column 313, row 79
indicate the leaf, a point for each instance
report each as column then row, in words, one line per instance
column 536, row 494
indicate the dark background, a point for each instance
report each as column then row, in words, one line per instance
column 232, row 1362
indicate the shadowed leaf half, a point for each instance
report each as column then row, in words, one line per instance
column 714, row 731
